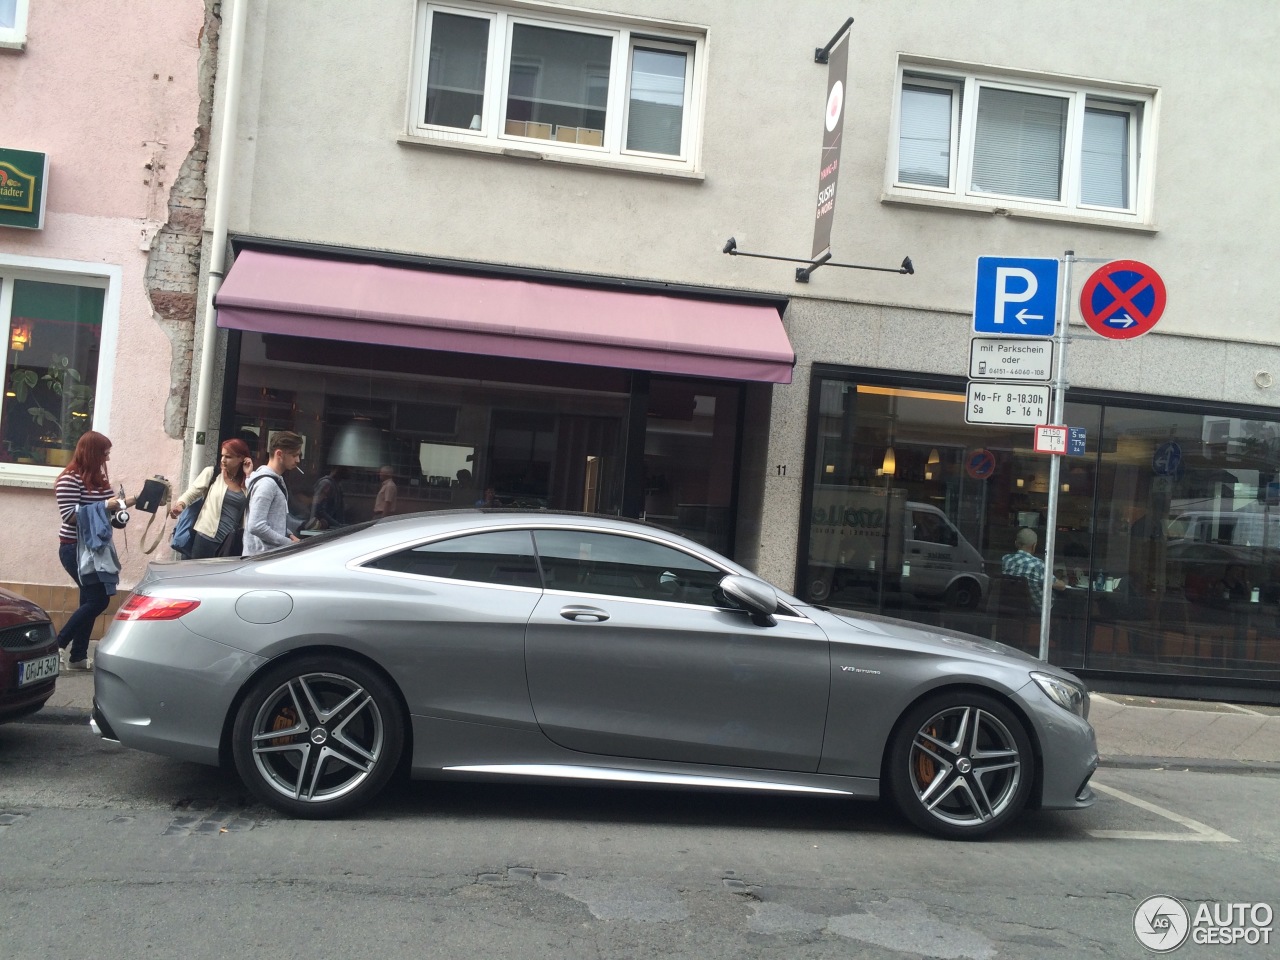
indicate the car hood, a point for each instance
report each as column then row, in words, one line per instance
column 937, row 637
column 16, row 610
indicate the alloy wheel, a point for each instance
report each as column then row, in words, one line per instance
column 317, row 737
column 965, row 766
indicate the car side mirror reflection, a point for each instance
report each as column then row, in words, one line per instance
column 758, row 599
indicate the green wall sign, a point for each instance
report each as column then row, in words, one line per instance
column 23, row 176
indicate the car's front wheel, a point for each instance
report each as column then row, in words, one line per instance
column 960, row 765
column 318, row 736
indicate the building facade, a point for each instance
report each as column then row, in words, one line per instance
column 484, row 244
column 101, row 217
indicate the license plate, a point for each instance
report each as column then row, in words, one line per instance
column 33, row 671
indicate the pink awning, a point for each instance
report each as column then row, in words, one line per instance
column 400, row 306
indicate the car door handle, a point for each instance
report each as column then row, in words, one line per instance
column 580, row 614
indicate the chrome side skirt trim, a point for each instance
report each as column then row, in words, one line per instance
column 570, row 772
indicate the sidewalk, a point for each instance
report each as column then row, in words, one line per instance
column 1132, row 731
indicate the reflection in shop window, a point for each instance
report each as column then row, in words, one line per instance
column 54, row 337
column 1167, row 529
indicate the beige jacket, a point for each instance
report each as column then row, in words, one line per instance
column 213, row 489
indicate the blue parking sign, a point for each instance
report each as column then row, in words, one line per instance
column 1016, row 296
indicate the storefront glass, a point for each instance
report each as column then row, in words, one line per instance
column 1167, row 556
column 460, row 430
column 54, row 337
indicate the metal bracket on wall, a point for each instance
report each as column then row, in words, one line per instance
column 803, row 273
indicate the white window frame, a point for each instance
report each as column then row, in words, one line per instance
column 967, row 83
column 626, row 34
column 15, row 37
column 107, row 277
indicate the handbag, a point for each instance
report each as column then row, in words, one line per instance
column 154, row 495
column 184, row 531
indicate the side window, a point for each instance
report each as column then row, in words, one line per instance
column 623, row 566
column 504, row 557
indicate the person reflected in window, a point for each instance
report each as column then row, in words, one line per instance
column 490, row 498
column 384, row 504
column 328, row 509
column 1025, row 564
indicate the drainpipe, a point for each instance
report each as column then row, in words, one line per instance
column 226, row 124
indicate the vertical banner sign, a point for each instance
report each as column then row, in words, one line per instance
column 23, row 175
column 832, row 133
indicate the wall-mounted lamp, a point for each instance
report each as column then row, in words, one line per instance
column 19, row 336
column 890, row 464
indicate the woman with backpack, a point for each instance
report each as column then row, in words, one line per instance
column 218, row 527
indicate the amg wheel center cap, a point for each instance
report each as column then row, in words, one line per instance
column 964, row 765
column 319, row 736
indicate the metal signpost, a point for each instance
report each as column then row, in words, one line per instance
column 1021, row 298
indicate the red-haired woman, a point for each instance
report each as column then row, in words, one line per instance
column 83, row 481
column 224, row 501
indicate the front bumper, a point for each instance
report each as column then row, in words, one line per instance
column 1068, row 751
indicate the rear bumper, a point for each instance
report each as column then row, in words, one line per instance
column 161, row 688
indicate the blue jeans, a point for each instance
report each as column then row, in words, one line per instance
column 93, row 600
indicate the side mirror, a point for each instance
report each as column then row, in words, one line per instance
column 758, row 599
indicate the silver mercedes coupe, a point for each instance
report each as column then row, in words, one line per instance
column 502, row 645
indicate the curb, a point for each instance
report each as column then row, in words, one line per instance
column 1192, row 765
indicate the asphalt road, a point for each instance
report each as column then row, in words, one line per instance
column 106, row 853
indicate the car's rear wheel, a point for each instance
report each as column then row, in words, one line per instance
column 960, row 765
column 318, row 736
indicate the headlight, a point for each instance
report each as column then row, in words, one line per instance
column 1067, row 695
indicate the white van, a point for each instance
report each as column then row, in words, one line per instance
column 1237, row 528
column 871, row 537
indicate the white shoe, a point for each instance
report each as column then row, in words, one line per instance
column 62, row 657
column 80, row 666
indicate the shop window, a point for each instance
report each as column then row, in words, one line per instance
column 1167, row 530
column 53, row 334
column 575, row 87
column 1048, row 145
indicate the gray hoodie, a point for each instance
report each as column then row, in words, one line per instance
column 266, row 518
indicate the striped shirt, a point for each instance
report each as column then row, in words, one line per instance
column 71, row 493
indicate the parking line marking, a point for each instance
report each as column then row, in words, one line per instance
column 1200, row 833
column 1239, row 709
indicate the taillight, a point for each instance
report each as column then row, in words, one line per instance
column 141, row 607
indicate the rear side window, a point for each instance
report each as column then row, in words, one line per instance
column 503, row 558
column 621, row 566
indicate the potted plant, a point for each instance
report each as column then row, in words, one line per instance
column 62, row 427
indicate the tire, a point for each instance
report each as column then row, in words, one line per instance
column 964, row 594
column 933, row 745
column 819, row 589
column 318, row 736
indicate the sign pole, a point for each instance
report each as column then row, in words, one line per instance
column 1055, row 462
